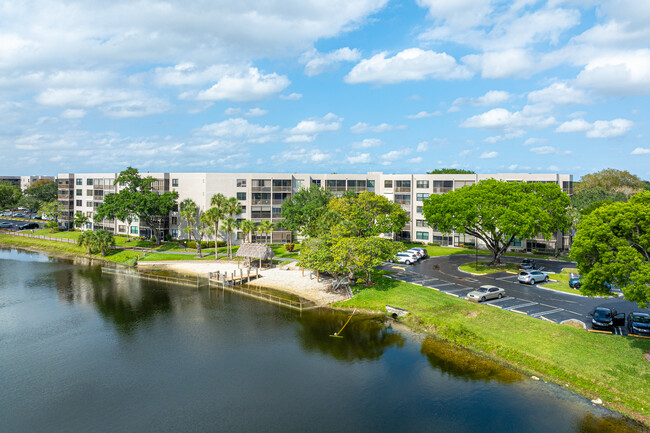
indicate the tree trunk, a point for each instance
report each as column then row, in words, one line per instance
column 198, row 245
column 216, row 235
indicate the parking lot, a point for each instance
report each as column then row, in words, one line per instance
column 15, row 224
column 442, row 274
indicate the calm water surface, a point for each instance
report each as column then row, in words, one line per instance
column 82, row 352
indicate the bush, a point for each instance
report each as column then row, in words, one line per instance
column 204, row 244
column 168, row 237
column 416, row 243
column 289, row 247
column 434, row 244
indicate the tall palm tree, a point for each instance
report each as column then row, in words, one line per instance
column 104, row 240
column 213, row 217
column 247, row 227
column 87, row 238
column 229, row 226
column 189, row 210
column 232, row 206
column 266, row 227
column 80, row 220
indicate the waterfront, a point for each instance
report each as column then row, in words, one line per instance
column 82, row 351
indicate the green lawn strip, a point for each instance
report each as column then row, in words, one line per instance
column 596, row 365
column 484, row 269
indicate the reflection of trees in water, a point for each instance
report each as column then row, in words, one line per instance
column 461, row 363
column 591, row 423
column 364, row 338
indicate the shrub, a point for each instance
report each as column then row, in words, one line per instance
column 204, row 244
column 168, row 237
column 289, row 247
column 434, row 244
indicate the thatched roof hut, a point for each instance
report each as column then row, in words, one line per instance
column 255, row 251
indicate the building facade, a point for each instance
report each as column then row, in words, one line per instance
column 262, row 194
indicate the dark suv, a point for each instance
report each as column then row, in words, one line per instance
column 606, row 318
column 638, row 323
column 27, row 226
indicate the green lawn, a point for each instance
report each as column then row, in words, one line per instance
column 484, row 269
column 596, row 365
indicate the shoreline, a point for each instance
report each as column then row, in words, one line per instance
column 277, row 280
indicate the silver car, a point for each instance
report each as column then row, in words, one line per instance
column 406, row 258
column 484, row 293
column 532, row 276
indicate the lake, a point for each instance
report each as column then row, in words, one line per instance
column 82, row 351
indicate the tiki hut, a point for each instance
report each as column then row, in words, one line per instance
column 255, row 251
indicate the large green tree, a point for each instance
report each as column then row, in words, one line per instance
column 9, row 195
column 367, row 214
column 44, row 190
column 303, row 210
column 497, row 212
column 611, row 180
column 612, row 246
column 591, row 198
column 53, row 211
column 139, row 198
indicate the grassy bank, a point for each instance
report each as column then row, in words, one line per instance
column 598, row 366
column 484, row 269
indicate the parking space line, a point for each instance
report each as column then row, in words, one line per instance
column 507, row 298
column 451, row 294
column 445, row 284
column 505, row 278
column 599, row 331
column 557, row 310
column 637, row 336
column 460, row 290
column 520, row 306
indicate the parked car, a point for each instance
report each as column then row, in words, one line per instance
column 638, row 323
column 574, row 281
column 6, row 213
column 532, row 277
column 416, row 251
column 28, row 226
column 484, row 293
column 527, row 264
column 406, row 258
column 6, row 225
column 424, row 251
column 20, row 215
column 606, row 318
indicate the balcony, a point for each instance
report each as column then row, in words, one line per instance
column 402, row 189
column 266, row 201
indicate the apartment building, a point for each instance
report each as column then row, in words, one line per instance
column 23, row 181
column 262, row 194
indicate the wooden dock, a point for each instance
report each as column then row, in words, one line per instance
column 234, row 278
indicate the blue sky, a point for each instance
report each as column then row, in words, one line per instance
column 324, row 86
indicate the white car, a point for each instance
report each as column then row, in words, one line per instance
column 415, row 251
column 406, row 258
column 486, row 292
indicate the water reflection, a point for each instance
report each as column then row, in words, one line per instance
column 462, row 364
column 364, row 338
column 591, row 423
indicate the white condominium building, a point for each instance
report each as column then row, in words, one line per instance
column 262, row 194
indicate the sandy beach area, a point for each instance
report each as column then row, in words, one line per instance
column 287, row 278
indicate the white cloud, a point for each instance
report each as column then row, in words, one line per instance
column 423, row 115
column 500, row 118
column 619, row 73
column 291, row 97
column 367, row 142
column 360, row 158
column 72, row 113
column 609, row 128
column 81, row 97
column 410, row 64
column 510, row 135
column 185, row 74
column 255, row 112
column 239, row 128
column 307, row 130
column 489, row 155
column 416, row 160
column 640, row 151
column 533, row 140
column 516, row 62
column 423, row 146
column 493, row 97
column 302, row 155
column 232, row 111
column 598, row 129
column 361, row 128
column 576, row 125
column 549, row 150
column 394, row 155
column 317, row 63
column 248, row 86
column 559, row 94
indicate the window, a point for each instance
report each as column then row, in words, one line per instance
column 89, row 225
column 121, row 229
column 89, row 203
column 89, row 192
column 241, row 183
column 516, row 242
column 403, row 198
column 89, row 181
column 79, row 192
column 316, row 182
column 388, row 184
column 422, row 184
column 80, row 181
column 418, row 209
column 134, row 230
column 241, row 196
column 79, row 203
column 174, row 182
column 243, row 210
column 422, row 236
column 298, row 183
column 371, row 184
column 277, row 212
column 175, row 208
column 240, row 236
column 175, row 220
column 421, row 223
column 421, row 196
column 174, row 233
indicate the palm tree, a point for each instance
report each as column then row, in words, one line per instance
column 247, row 227
column 213, row 217
column 232, row 206
column 266, row 227
column 104, row 240
column 80, row 220
column 229, row 226
column 188, row 210
column 87, row 239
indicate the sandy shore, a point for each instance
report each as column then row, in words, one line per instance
column 286, row 278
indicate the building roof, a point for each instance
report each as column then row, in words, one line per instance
column 255, row 251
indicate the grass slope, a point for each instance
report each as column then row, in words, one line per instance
column 605, row 366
